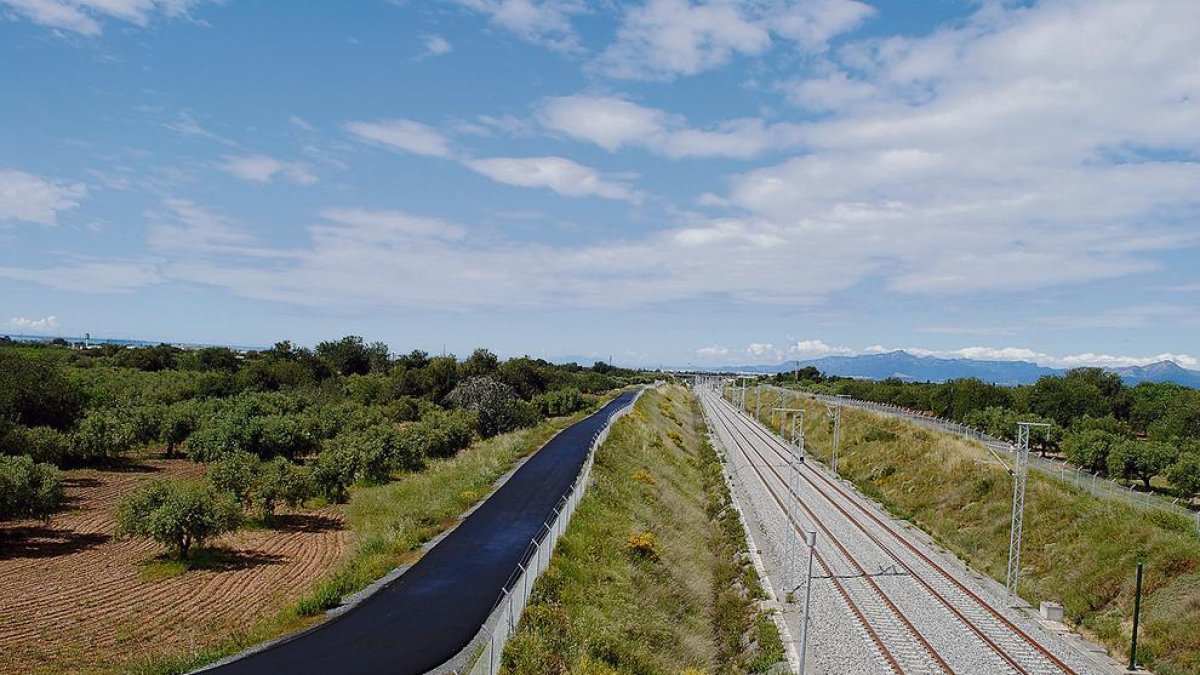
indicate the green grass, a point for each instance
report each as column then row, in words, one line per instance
column 389, row 522
column 652, row 575
column 1078, row 549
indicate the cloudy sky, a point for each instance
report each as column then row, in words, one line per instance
column 662, row 181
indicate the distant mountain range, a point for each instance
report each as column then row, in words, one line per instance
column 905, row 366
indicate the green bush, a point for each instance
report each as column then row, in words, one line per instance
column 1184, row 474
column 178, row 423
column 1090, row 448
column 28, row 488
column 35, row 392
column 560, row 402
column 496, row 405
column 335, row 470
column 281, row 481
column 1140, row 459
column 44, row 444
column 177, row 514
column 235, row 473
column 102, row 434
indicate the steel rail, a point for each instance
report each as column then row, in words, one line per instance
column 939, row 569
column 843, row 591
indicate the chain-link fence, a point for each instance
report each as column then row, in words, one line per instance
column 482, row 655
column 1094, row 483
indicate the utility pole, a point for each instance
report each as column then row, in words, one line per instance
column 811, row 536
column 834, row 411
column 1137, row 612
column 1020, row 472
column 796, row 440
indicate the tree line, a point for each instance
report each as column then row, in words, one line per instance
column 1100, row 424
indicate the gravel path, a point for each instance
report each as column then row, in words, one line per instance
column 882, row 600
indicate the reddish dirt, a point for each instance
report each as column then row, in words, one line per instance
column 74, row 599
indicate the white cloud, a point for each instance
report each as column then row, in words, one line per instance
column 263, row 169
column 811, row 349
column 187, row 125
column 979, row 353
column 1001, row 154
column 401, row 134
column 543, row 22
column 55, row 14
column 436, row 45
column 613, row 122
column 300, row 123
column 664, row 38
column 183, row 227
column 84, row 16
column 109, row 276
column 20, row 323
column 559, row 174
column 393, row 224
column 607, row 121
column 24, row 196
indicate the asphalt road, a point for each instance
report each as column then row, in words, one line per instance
column 433, row 610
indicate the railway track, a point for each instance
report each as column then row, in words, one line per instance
column 959, row 631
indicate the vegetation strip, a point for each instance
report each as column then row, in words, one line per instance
column 652, row 575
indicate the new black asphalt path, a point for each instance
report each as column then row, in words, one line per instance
column 429, row 613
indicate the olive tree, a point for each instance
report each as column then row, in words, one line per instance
column 1184, row 474
column 1140, row 459
column 1090, row 448
column 280, row 481
column 177, row 514
column 102, row 434
column 28, row 488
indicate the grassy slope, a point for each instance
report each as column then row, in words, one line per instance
column 390, row 523
column 1077, row 549
column 602, row 607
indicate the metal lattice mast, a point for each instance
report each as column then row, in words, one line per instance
column 1020, row 472
column 797, row 459
column 834, row 410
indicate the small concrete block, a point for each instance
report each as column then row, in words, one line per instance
column 1052, row 611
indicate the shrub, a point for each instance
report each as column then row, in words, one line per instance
column 643, row 545
column 643, row 476
column 440, row 433
column 35, row 392
column 281, row 481
column 495, row 403
column 216, row 436
column 28, row 488
column 560, row 402
column 1090, row 448
column 1140, row 459
column 235, row 473
column 177, row 514
column 102, row 434
column 1184, row 474
column 178, row 422
column 334, row 471
column 44, row 444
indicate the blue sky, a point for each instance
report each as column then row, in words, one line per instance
column 660, row 181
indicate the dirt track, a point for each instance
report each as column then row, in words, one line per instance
column 74, row 600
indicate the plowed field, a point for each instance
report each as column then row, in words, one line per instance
column 73, row 597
